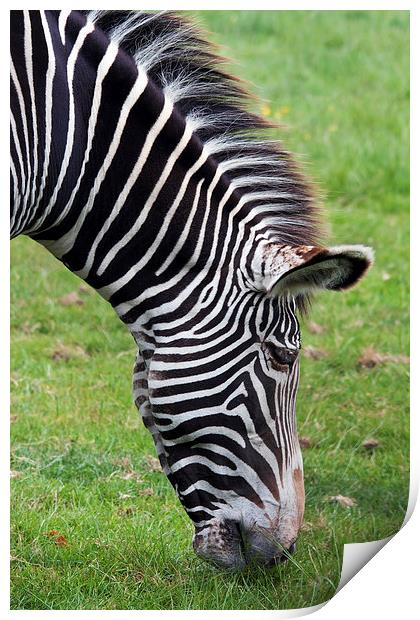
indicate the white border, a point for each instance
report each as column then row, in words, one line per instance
column 388, row 585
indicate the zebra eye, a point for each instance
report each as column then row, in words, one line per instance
column 281, row 358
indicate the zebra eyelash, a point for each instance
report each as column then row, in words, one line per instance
column 280, row 358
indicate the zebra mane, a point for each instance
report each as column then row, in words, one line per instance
column 179, row 59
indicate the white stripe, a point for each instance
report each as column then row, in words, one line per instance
column 49, row 81
column 17, row 86
column 29, row 71
column 83, row 33
column 242, row 504
column 18, row 151
column 216, row 430
column 62, row 20
column 16, row 197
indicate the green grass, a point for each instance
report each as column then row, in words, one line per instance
column 340, row 81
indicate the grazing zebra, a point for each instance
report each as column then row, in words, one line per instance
column 135, row 162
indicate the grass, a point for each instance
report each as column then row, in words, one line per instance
column 340, row 81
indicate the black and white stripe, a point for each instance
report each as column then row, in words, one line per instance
column 136, row 163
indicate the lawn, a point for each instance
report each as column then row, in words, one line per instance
column 94, row 524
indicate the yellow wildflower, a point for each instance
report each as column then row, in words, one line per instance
column 265, row 110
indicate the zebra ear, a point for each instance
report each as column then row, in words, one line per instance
column 301, row 269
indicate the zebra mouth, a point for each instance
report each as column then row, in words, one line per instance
column 227, row 545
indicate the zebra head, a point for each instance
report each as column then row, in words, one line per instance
column 217, row 388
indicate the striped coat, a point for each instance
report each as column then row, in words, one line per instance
column 135, row 161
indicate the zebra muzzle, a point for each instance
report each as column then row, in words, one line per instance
column 263, row 547
column 229, row 546
column 220, row 543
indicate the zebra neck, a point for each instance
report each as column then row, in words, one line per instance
column 145, row 249
column 138, row 199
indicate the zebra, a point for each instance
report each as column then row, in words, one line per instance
column 136, row 162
